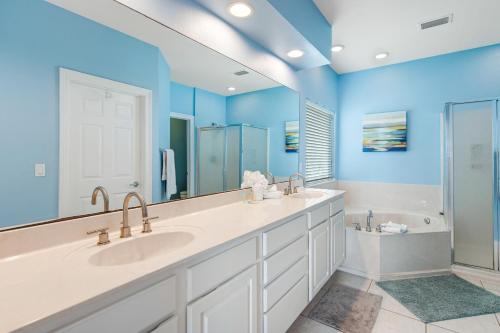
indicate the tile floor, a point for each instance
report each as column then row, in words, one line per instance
column 395, row 318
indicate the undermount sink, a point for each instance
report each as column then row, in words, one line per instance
column 138, row 249
column 307, row 195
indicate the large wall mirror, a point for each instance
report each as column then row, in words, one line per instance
column 110, row 98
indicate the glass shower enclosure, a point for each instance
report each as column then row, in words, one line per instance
column 225, row 152
column 472, row 181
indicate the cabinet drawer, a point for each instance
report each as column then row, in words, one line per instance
column 284, row 313
column 169, row 326
column 336, row 206
column 319, row 215
column 133, row 314
column 284, row 283
column 284, row 234
column 279, row 262
column 209, row 274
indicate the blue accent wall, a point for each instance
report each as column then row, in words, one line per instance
column 319, row 85
column 422, row 88
column 183, row 98
column 308, row 20
column 269, row 108
column 31, row 52
column 209, row 108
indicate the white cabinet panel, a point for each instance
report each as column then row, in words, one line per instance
column 319, row 257
column 280, row 236
column 212, row 272
column 284, row 313
column 336, row 206
column 279, row 262
column 133, row 314
column 230, row 308
column 279, row 287
column 169, row 326
column 319, row 215
column 338, row 233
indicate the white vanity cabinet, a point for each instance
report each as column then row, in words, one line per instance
column 337, row 236
column 229, row 308
column 338, row 240
column 319, row 257
column 141, row 312
column 223, row 292
column 259, row 284
column 284, row 294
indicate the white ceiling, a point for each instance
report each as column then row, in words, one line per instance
column 367, row 27
column 191, row 63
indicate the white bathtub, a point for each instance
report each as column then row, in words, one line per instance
column 424, row 250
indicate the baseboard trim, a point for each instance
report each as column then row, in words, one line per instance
column 396, row 276
column 481, row 273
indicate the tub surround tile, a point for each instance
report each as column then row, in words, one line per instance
column 424, row 199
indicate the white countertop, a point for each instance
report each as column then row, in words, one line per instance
column 39, row 284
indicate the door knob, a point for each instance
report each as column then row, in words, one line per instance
column 134, row 184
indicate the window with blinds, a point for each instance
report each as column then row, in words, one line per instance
column 320, row 143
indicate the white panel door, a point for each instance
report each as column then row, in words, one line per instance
column 338, row 240
column 230, row 308
column 319, row 257
column 104, row 146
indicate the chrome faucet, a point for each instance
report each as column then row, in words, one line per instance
column 369, row 219
column 298, row 175
column 105, row 196
column 125, row 228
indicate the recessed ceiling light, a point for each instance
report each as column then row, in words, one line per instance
column 295, row 53
column 337, row 48
column 240, row 9
column 231, row 88
column 381, row 55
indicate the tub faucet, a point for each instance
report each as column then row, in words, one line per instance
column 369, row 221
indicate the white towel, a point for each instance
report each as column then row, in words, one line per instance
column 394, row 227
column 168, row 173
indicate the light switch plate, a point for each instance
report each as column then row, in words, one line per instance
column 40, row 170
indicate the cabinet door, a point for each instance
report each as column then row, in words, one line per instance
column 339, row 239
column 228, row 309
column 319, row 257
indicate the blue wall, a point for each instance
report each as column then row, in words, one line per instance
column 309, row 21
column 320, row 86
column 421, row 87
column 183, row 98
column 31, row 53
column 269, row 108
column 209, row 108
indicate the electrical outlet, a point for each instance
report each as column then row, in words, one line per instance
column 40, row 170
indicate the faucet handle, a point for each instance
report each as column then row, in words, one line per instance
column 103, row 235
column 146, row 225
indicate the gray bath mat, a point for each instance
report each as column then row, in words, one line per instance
column 444, row 297
column 347, row 309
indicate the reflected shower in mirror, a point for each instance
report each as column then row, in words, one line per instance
column 119, row 105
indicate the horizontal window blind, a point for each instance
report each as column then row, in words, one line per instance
column 320, row 143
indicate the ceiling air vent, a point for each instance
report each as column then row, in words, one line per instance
column 240, row 73
column 436, row 22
